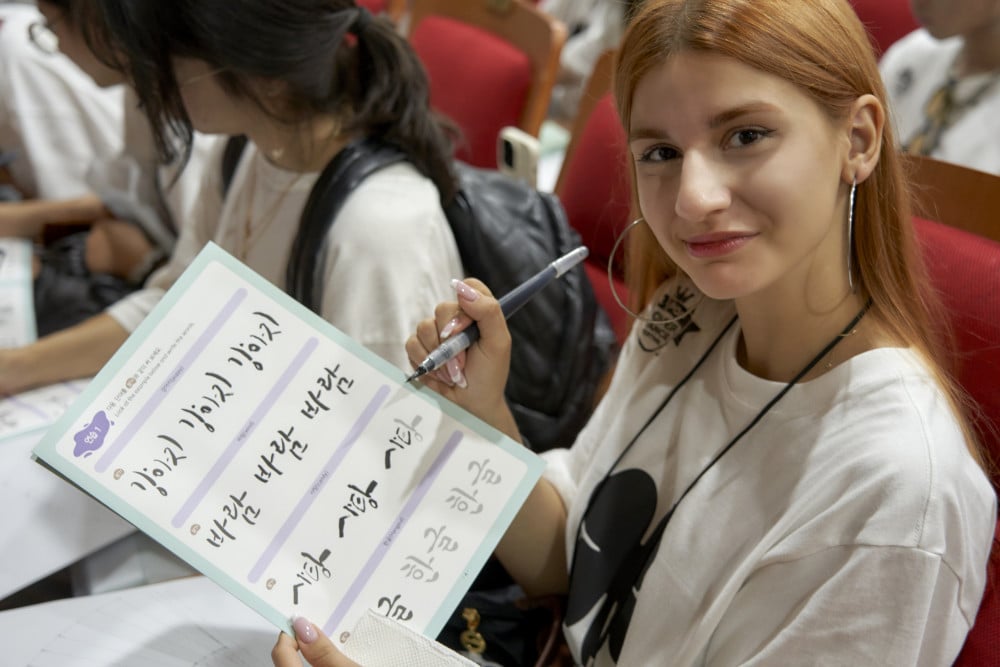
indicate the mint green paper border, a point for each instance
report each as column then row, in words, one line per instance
column 47, row 452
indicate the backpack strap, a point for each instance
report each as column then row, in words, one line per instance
column 305, row 270
column 230, row 158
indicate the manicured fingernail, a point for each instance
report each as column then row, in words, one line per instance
column 447, row 329
column 304, row 630
column 442, row 375
column 464, row 291
column 456, row 374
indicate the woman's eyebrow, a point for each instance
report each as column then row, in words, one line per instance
column 714, row 122
column 742, row 110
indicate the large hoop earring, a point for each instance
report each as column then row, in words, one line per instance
column 850, row 235
column 614, row 292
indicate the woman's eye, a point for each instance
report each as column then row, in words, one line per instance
column 747, row 136
column 658, row 154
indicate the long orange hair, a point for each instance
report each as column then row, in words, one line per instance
column 821, row 47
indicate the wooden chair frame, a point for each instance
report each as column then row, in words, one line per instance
column 955, row 195
column 539, row 35
column 396, row 9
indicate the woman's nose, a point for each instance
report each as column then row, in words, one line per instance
column 702, row 188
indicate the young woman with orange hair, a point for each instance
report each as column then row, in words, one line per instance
column 780, row 472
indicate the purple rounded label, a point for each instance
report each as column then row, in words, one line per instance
column 90, row 438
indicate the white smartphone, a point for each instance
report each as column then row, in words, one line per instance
column 517, row 154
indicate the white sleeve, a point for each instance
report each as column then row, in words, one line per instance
column 51, row 114
column 390, row 259
column 888, row 603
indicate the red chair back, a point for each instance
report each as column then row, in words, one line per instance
column 595, row 192
column 491, row 64
column 394, row 9
column 886, row 20
column 478, row 80
column 965, row 268
column 374, row 6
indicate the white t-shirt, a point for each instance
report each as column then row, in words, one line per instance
column 849, row 526
column 595, row 26
column 390, row 253
column 913, row 69
column 52, row 115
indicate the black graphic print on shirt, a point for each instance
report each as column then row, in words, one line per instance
column 610, row 559
column 670, row 318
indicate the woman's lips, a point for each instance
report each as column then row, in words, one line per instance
column 716, row 245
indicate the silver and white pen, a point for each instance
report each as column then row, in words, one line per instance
column 510, row 303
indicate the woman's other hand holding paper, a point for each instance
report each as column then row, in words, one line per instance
column 315, row 646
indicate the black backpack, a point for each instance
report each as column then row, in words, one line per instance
column 506, row 231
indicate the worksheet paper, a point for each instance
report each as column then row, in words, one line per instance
column 17, row 305
column 288, row 463
column 36, row 409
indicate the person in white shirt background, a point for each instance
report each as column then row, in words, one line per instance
column 944, row 83
column 55, row 120
column 82, row 154
column 594, row 27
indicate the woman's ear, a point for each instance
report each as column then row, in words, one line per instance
column 866, row 122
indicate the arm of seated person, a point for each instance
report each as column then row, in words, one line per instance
column 27, row 219
column 120, row 248
column 77, row 352
column 533, row 550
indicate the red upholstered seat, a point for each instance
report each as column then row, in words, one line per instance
column 594, row 190
column 374, row 6
column 965, row 268
column 886, row 20
column 477, row 79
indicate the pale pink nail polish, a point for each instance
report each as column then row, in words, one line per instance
column 464, row 291
column 442, row 375
column 447, row 329
column 304, row 630
column 456, row 374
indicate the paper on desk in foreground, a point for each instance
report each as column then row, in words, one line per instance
column 288, row 463
column 17, row 305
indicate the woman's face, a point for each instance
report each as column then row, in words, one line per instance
column 74, row 46
column 949, row 18
column 739, row 176
column 209, row 107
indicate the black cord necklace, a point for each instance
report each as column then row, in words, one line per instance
column 652, row 544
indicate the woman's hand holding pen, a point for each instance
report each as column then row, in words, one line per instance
column 475, row 379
